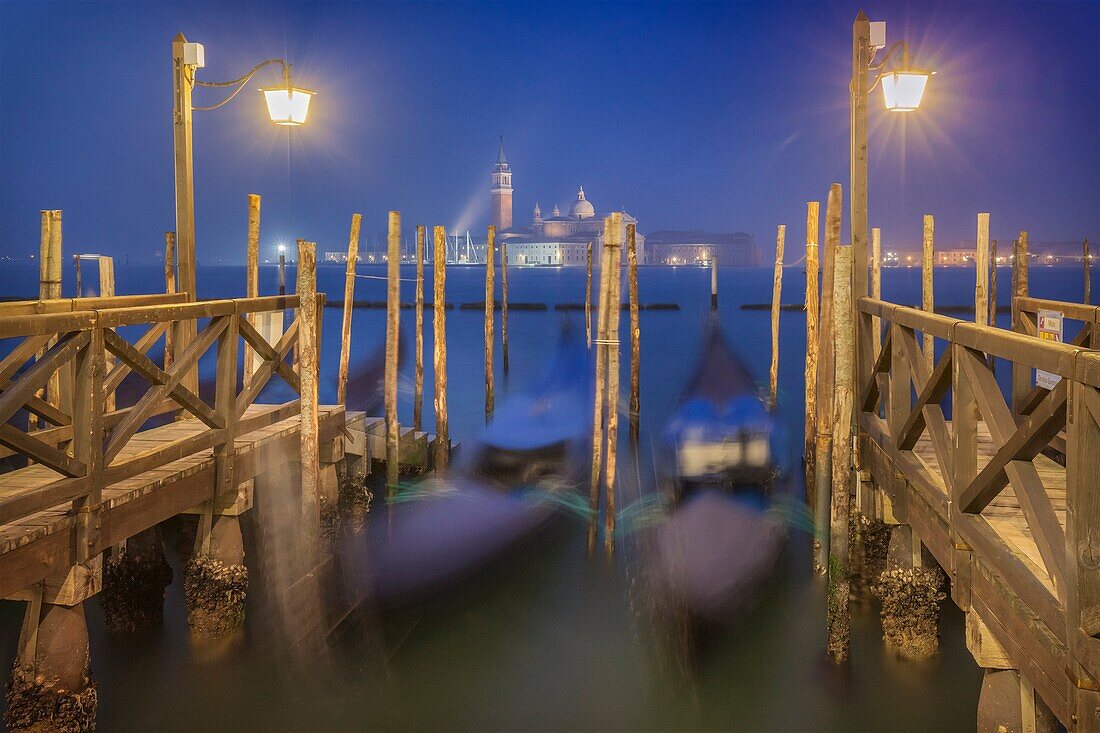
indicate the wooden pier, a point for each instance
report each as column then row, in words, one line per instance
column 88, row 481
column 1004, row 492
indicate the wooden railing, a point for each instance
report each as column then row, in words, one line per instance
column 84, row 443
column 958, row 482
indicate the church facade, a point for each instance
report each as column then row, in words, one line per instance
column 559, row 239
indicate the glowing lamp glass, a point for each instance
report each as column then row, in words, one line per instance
column 287, row 105
column 902, row 90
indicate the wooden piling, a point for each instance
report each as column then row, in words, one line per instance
column 588, row 297
column 839, row 620
column 490, row 265
column 418, row 368
column 876, row 285
column 713, row 281
column 928, row 301
column 1021, row 262
column 282, row 273
column 981, row 271
column 107, row 290
column 614, row 259
column 439, row 322
column 813, row 209
column 308, row 341
column 777, row 291
column 602, row 316
column 49, row 288
column 504, row 303
column 1086, row 259
column 252, row 277
column 170, row 287
column 635, row 332
column 393, row 324
column 349, row 302
column 993, row 282
column 826, row 355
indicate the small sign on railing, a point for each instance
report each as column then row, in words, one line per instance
column 1050, row 329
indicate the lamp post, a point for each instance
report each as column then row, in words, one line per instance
column 286, row 105
column 903, row 89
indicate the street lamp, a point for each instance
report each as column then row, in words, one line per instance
column 287, row 105
column 902, row 90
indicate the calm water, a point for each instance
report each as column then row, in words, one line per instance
column 549, row 639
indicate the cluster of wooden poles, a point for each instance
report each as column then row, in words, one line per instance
column 605, row 421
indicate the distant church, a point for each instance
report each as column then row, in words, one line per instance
column 558, row 239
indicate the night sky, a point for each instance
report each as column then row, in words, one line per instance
column 718, row 116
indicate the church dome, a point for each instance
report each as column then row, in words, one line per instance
column 582, row 208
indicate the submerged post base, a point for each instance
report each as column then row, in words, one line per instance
column 134, row 583
column 215, row 581
column 911, row 610
column 50, row 688
column 215, row 593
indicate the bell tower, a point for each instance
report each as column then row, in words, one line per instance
column 502, row 191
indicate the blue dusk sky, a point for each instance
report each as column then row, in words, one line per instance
column 715, row 116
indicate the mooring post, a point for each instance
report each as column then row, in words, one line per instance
column 614, row 245
column 49, row 288
column 826, row 354
column 839, row 620
column 777, row 293
column 602, row 321
column 504, row 303
column 713, row 281
column 993, row 282
column 252, row 278
column 439, row 347
column 349, row 307
column 813, row 216
column 393, row 324
column 490, row 265
column 106, row 289
column 418, row 349
column 282, row 271
column 170, row 287
column 1021, row 373
column 635, row 332
column 313, row 503
column 1086, row 259
column 588, row 297
column 981, row 272
column 928, row 301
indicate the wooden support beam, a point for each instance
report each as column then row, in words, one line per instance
column 927, row 411
column 825, row 375
column 1033, row 435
